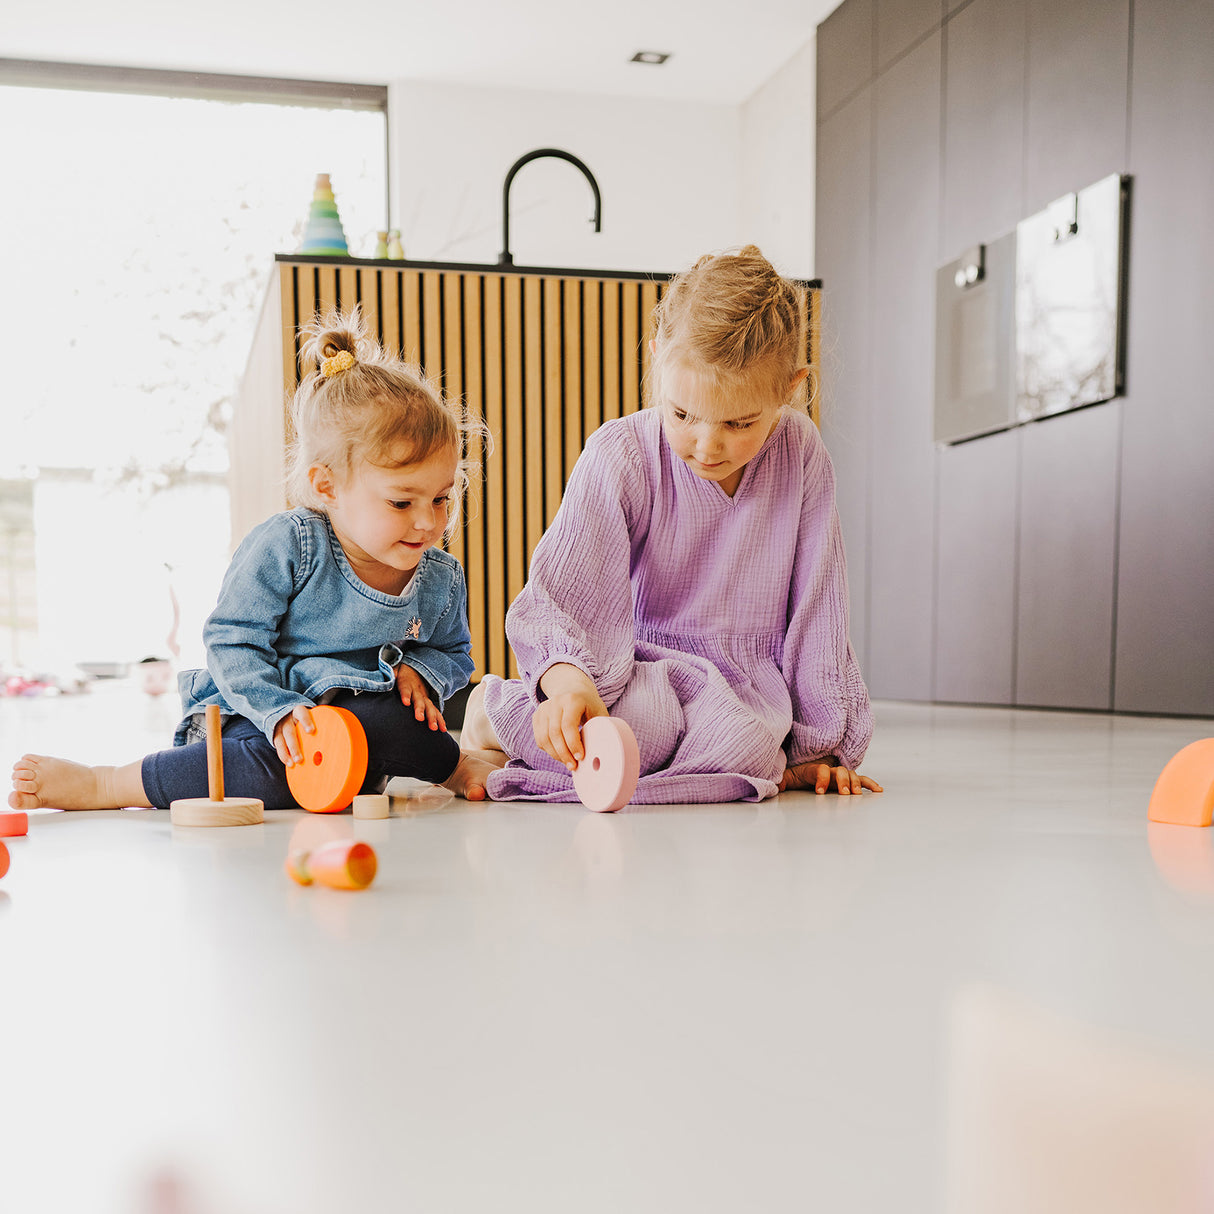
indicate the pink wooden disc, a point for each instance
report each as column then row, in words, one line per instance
column 606, row 777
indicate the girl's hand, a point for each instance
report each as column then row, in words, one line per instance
column 824, row 774
column 557, row 723
column 286, row 734
column 413, row 690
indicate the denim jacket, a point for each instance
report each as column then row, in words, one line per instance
column 294, row 622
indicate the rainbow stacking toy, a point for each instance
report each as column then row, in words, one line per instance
column 324, row 234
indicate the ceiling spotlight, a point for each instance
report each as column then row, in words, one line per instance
column 654, row 57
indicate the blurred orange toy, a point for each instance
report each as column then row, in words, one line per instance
column 335, row 762
column 3, row 859
column 343, row 864
column 1184, row 792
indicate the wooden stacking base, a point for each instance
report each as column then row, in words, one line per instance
column 202, row 811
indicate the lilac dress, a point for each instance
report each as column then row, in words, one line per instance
column 715, row 626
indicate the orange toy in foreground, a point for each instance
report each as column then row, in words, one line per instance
column 1184, row 792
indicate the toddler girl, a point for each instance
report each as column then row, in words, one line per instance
column 342, row 600
column 693, row 581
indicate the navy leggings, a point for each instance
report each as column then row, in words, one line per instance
column 397, row 745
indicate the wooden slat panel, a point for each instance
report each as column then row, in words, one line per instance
column 495, row 484
column 552, row 406
column 802, row 397
column 572, row 327
column 512, row 447
column 630, row 341
column 389, row 310
column 649, row 301
column 368, row 301
column 475, row 566
column 411, row 317
column 290, row 351
column 813, row 300
column 592, row 368
column 533, row 416
column 432, row 325
column 611, row 349
column 326, row 291
column 347, row 287
column 452, row 372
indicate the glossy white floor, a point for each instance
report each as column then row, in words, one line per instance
column 991, row 988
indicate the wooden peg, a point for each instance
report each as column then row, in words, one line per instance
column 216, row 810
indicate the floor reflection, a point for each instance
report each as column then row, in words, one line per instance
column 1050, row 1115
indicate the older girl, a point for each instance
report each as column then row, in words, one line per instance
column 693, row 581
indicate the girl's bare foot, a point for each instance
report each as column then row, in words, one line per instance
column 42, row 782
column 472, row 771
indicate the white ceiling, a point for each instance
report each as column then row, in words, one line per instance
column 721, row 50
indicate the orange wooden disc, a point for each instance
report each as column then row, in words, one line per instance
column 3, row 859
column 335, row 761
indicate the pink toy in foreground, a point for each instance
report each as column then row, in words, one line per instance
column 606, row 777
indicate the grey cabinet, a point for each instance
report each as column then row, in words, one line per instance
column 844, row 260
column 1077, row 95
column 1165, row 611
column 906, row 193
column 1072, row 561
column 845, row 54
column 983, row 123
column 900, row 24
column 976, row 571
column 1067, row 559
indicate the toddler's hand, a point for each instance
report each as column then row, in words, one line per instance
column 824, row 774
column 413, row 691
column 557, row 724
column 286, row 734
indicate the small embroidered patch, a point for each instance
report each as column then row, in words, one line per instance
column 415, row 628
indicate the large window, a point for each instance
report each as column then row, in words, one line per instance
column 140, row 232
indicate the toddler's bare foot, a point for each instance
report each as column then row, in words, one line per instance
column 42, row 782
column 472, row 771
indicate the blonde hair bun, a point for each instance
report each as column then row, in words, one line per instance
column 358, row 403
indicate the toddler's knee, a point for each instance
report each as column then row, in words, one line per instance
column 477, row 731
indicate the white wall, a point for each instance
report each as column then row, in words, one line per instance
column 669, row 175
column 678, row 179
column 778, row 146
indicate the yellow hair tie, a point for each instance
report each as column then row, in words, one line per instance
column 343, row 360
